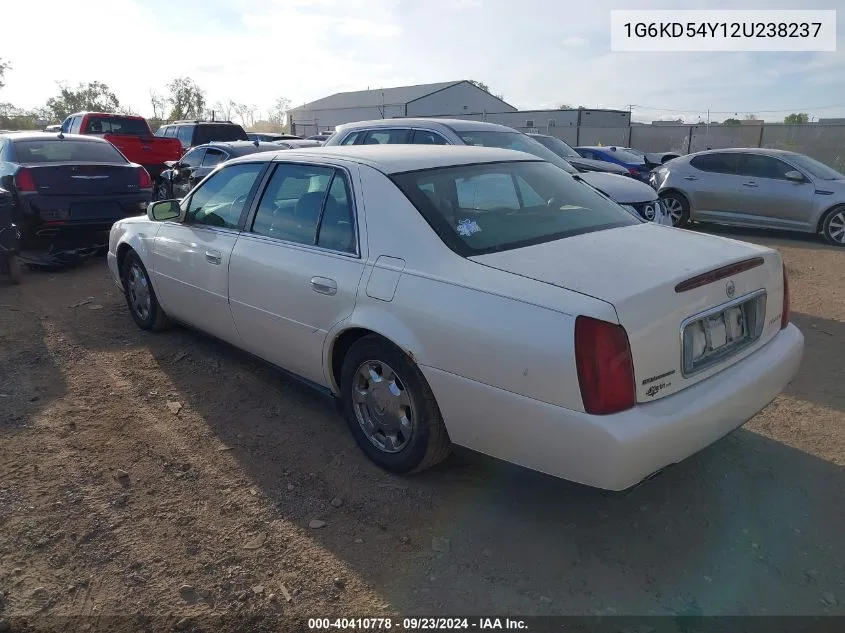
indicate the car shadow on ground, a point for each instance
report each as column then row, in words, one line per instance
column 822, row 375
column 749, row 525
column 768, row 237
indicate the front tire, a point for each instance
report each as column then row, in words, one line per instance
column 833, row 226
column 14, row 264
column 390, row 408
column 677, row 206
column 140, row 296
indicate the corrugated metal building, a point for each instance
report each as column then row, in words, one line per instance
column 449, row 98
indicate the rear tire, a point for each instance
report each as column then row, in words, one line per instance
column 677, row 206
column 140, row 296
column 14, row 264
column 390, row 408
column 833, row 226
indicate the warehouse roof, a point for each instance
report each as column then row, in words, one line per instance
column 377, row 97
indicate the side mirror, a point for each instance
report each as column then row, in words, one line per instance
column 164, row 210
column 795, row 176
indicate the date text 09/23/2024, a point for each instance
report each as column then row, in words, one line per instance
column 417, row 624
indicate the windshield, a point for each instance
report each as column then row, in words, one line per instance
column 515, row 141
column 557, row 146
column 478, row 209
column 66, row 151
column 815, row 168
column 116, row 125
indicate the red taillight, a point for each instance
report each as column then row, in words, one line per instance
column 633, row 172
column 144, row 180
column 24, row 181
column 784, row 315
column 605, row 367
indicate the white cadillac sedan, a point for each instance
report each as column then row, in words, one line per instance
column 474, row 296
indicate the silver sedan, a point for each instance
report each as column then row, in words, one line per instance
column 763, row 188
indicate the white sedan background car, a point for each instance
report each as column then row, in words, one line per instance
column 471, row 295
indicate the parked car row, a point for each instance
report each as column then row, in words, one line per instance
column 459, row 292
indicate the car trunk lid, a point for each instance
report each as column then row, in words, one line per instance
column 91, row 179
column 641, row 270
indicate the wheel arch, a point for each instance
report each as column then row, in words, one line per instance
column 823, row 215
column 347, row 333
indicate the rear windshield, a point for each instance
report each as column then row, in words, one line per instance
column 115, row 125
column 625, row 156
column 220, row 133
column 66, row 151
column 515, row 141
column 478, row 209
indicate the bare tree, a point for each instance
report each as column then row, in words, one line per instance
column 225, row 109
column 279, row 112
column 158, row 104
column 247, row 113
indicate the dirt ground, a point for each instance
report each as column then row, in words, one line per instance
column 170, row 480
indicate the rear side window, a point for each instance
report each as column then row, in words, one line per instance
column 353, row 138
column 424, row 137
column 719, row 163
column 213, row 157
column 115, row 125
column 185, row 134
column 219, row 133
column 307, row 204
column 387, row 137
column 478, row 209
column 67, row 151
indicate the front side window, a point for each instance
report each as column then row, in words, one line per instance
column 760, row 166
column 193, row 158
column 75, row 124
column 478, row 209
column 307, row 204
column 221, row 199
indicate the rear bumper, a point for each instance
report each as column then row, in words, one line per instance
column 43, row 218
column 617, row 451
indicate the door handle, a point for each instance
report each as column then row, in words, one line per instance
column 690, row 178
column 749, row 184
column 213, row 257
column 324, row 286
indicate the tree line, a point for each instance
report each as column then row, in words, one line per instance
column 183, row 99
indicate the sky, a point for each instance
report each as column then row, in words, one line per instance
column 536, row 53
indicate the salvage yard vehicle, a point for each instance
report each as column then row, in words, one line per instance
column 634, row 162
column 562, row 149
column 68, row 190
column 470, row 295
column 637, row 198
column 130, row 134
column 183, row 175
column 9, row 236
column 755, row 187
column 196, row 132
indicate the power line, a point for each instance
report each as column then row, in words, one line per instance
column 693, row 111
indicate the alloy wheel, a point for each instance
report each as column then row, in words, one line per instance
column 139, row 291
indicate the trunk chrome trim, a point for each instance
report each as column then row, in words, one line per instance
column 757, row 295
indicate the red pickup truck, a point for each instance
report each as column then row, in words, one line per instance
column 131, row 135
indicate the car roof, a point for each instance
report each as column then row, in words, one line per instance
column 766, row 151
column 238, row 148
column 394, row 159
column 46, row 136
column 463, row 125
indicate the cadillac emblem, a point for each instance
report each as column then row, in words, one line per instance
column 730, row 289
